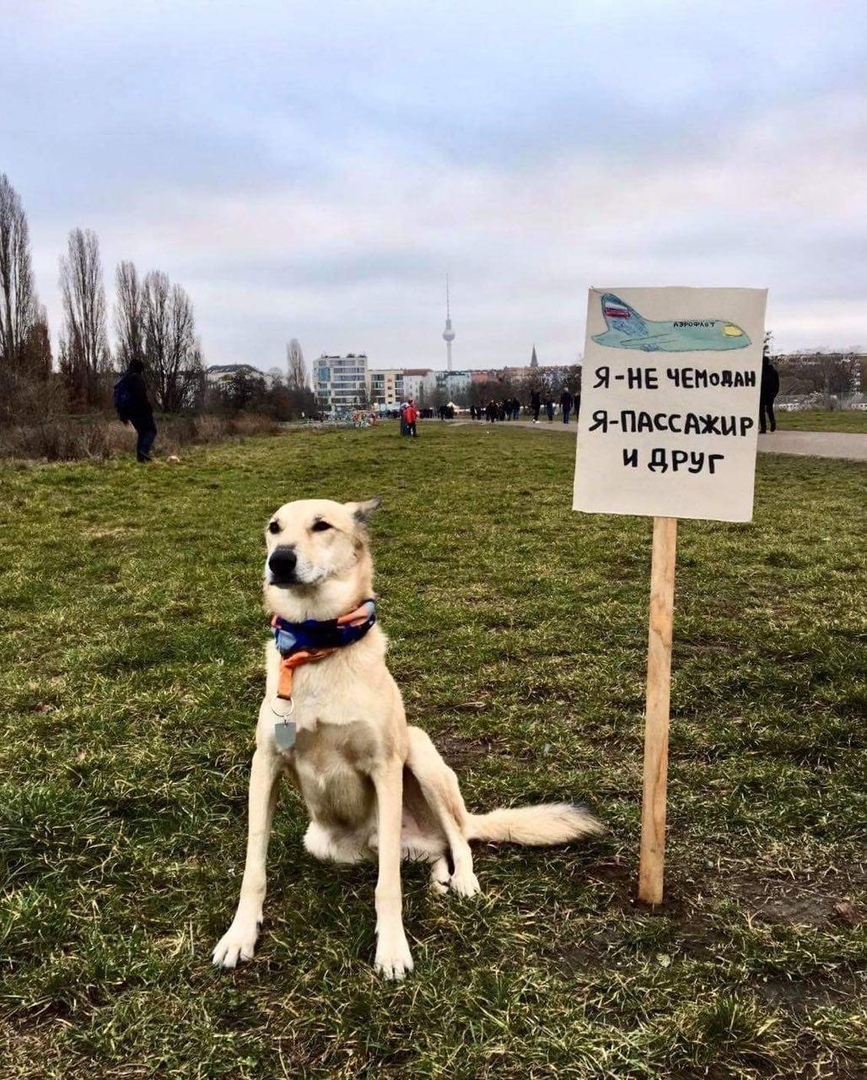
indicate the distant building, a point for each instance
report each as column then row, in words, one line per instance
column 419, row 383
column 224, row 373
column 345, row 382
column 453, row 383
column 386, row 388
column 340, row 383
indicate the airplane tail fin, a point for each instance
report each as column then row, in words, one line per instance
column 621, row 317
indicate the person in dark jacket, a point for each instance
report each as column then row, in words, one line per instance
column 535, row 405
column 770, row 387
column 137, row 410
column 566, row 404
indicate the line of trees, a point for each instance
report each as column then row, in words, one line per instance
column 548, row 381
column 829, row 376
column 251, row 390
column 153, row 321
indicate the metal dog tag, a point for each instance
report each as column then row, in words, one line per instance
column 284, row 734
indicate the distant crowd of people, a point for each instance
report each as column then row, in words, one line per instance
column 505, row 409
column 511, row 408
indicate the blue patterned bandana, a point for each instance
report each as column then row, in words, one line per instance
column 292, row 638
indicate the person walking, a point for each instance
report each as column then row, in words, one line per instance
column 549, row 409
column 770, row 386
column 134, row 408
column 535, row 405
column 566, row 404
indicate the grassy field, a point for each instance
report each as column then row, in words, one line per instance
column 131, row 675
column 853, row 421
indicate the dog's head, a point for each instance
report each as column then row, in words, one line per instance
column 318, row 564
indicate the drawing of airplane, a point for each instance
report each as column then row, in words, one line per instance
column 629, row 330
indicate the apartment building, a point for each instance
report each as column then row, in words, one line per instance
column 419, row 384
column 386, row 388
column 453, row 384
column 340, row 383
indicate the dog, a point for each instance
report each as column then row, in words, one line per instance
column 334, row 721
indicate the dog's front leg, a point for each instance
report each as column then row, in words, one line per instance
column 393, row 958
column 239, row 941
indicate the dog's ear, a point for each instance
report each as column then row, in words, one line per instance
column 361, row 511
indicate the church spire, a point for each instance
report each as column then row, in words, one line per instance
column 534, row 360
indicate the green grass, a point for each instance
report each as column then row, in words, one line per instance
column 853, row 421
column 130, row 681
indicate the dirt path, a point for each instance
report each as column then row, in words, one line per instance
column 825, row 444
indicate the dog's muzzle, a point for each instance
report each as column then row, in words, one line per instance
column 281, row 565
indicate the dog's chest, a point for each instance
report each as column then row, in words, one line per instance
column 332, row 764
column 325, row 747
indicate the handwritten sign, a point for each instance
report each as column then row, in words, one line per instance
column 669, row 402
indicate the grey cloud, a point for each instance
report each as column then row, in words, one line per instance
column 314, row 171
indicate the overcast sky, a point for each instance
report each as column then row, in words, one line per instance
column 314, row 170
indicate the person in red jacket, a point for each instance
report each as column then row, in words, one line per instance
column 411, row 415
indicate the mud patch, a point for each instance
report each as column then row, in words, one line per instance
column 775, row 900
column 459, row 751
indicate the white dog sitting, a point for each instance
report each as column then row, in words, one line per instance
column 333, row 719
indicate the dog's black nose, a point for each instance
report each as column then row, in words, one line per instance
column 282, row 564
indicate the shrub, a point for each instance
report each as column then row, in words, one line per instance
column 99, row 437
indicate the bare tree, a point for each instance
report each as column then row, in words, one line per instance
column 18, row 304
column 296, row 378
column 300, row 400
column 38, row 349
column 129, row 315
column 84, row 355
column 172, row 354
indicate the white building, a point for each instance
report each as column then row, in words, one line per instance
column 340, row 383
column 224, row 373
column 453, row 384
column 419, row 384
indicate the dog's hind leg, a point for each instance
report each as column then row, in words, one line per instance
column 239, row 941
column 442, row 793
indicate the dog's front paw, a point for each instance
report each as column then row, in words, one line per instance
column 393, row 958
column 465, row 883
column 238, row 943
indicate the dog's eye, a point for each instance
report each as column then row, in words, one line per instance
column 273, row 526
column 320, row 526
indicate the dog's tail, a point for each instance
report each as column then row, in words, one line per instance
column 551, row 823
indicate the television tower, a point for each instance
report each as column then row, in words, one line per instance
column 448, row 333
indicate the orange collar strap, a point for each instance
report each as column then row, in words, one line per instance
column 289, row 663
column 310, row 641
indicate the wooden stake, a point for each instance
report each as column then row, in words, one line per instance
column 652, row 860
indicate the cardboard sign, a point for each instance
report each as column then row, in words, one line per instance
column 670, row 402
